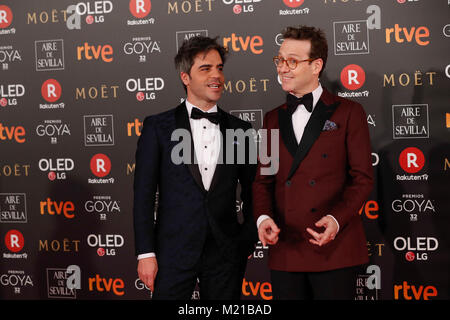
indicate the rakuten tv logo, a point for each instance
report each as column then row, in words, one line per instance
column 353, row 77
column 293, row 3
column 140, row 8
column 51, row 90
column 100, row 165
column 412, row 160
column 6, row 17
column 14, row 241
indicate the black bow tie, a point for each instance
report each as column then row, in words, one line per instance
column 214, row 117
column 293, row 102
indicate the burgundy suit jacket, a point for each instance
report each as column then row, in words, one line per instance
column 328, row 172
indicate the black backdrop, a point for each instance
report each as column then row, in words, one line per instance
column 78, row 78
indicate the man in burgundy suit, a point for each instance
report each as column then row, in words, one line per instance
column 308, row 210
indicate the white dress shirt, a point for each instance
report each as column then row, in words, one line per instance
column 300, row 118
column 206, row 137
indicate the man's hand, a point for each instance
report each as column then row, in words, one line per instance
column 147, row 269
column 331, row 228
column 268, row 232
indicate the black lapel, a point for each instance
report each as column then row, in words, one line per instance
column 287, row 131
column 220, row 166
column 182, row 122
column 321, row 113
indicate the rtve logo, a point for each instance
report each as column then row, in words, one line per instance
column 353, row 77
column 262, row 289
column 140, row 8
column 54, row 207
column 419, row 293
column 99, row 284
column 238, row 43
column 89, row 52
column 412, row 160
column 399, row 34
column 6, row 17
column 16, row 133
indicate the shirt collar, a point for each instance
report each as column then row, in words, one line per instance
column 189, row 107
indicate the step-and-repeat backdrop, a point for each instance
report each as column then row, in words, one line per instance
column 77, row 79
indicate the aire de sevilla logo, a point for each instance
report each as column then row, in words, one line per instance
column 353, row 77
column 293, row 3
column 51, row 90
column 6, row 16
column 412, row 160
column 140, row 8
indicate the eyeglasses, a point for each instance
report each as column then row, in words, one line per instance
column 290, row 62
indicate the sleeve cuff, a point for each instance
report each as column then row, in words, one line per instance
column 329, row 215
column 146, row 255
column 261, row 219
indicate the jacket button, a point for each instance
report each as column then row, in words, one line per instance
column 324, row 156
column 288, row 183
column 312, row 182
column 313, row 209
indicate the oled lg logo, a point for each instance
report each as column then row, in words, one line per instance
column 241, row 5
column 145, row 88
column 94, row 12
column 107, row 244
column 57, row 168
column 10, row 93
column 416, row 248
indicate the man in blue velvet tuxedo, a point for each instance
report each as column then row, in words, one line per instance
column 197, row 233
